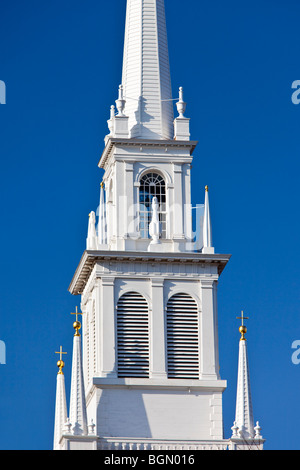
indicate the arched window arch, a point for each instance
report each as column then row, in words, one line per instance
column 133, row 336
column 182, row 337
column 151, row 185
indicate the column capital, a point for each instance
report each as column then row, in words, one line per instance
column 208, row 283
column 157, row 282
column 107, row 281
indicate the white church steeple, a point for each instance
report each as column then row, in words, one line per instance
column 144, row 139
column 148, row 292
column 77, row 415
column 146, row 71
column 244, row 412
column 61, row 413
column 244, row 434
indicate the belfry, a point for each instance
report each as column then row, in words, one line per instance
column 145, row 369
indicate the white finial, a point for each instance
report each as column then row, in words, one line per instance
column 257, row 430
column 102, row 218
column 67, row 427
column 207, row 232
column 241, row 432
column 235, row 429
column 155, row 225
column 92, row 428
column 112, row 112
column 120, row 102
column 110, row 122
column 181, row 105
column 91, row 242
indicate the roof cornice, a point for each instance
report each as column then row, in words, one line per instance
column 90, row 258
column 117, row 142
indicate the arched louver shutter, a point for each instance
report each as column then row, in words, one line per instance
column 133, row 336
column 182, row 337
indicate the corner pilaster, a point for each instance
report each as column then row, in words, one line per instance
column 209, row 367
column 158, row 353
column 107, row 343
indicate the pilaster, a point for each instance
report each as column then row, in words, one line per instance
column 158, row 353
column 209, row 367
column 107, row 343
column 178, row 229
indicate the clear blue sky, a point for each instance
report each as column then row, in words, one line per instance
column 61, row 62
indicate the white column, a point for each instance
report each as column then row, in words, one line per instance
column 129, row 211
column 187, row 203
column 120, row 204
column 208, row 360
column 136, row 192
column 178, row 203
column 157, row 340
column 170, row 213
column 107, row 343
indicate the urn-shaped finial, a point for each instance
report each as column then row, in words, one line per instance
column 181, row 105
column 120, row 102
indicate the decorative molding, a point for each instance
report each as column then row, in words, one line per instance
column 113, row 143
column 89, row 259
column 109, row 443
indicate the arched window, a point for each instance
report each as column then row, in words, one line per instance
column 151, row 185
column 182, row 337
column 133, row 336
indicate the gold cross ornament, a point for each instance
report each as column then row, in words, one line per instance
column 60, row 363
column 77, row 324
column 242, row 329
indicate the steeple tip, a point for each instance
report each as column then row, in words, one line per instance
column 207, row 231
column 61, row 403
column 78, row 413
column 242, row 328
column 146, row 71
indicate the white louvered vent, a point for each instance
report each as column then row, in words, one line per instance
column 182, row 337
column 133, row 336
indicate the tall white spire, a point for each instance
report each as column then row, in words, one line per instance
column 207, row 232
column 102, row 218
column 244, row 435
column 244, row 413
column 91, row 241
column 61, row 414
column 78, row 414
column 146, row 71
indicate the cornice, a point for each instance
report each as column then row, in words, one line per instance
column 90, row 258
column 114, row 142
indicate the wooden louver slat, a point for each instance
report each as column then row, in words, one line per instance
column 133, row 336
column 182, row 337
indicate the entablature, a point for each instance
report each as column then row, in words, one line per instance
column 91, row 258
column 138, row 145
